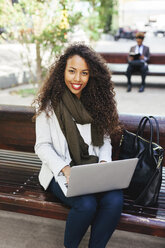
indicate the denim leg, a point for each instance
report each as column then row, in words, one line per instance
column 81, row 215
column 109, row 212
column 79, row 219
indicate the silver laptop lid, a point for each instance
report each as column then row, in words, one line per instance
column 100, row 177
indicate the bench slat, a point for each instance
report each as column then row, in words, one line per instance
column 121, row 58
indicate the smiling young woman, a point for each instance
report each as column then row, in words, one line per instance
column 75, row 119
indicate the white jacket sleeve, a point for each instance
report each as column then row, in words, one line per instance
column 44, row 147
column 105, row 152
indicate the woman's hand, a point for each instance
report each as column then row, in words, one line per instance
column 66, row 171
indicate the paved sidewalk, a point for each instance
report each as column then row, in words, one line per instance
column 25, row 231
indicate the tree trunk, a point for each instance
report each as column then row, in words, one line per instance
column 38, row 63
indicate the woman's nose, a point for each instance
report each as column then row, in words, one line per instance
column 77, row 77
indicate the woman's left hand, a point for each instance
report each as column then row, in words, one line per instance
column 66, row 171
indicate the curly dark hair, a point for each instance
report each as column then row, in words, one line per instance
column 98, row 97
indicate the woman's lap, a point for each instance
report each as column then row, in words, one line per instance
column 104, row 199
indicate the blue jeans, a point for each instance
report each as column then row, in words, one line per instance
column 102, row 211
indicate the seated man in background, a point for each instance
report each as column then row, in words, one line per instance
column 138, row 57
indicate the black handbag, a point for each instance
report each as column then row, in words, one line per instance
column 146, row 181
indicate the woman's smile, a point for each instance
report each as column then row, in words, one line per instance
column 76, row 86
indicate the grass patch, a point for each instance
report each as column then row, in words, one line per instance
column 27, row 92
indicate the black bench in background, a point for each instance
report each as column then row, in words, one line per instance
column 21, row 192
column 118, row 63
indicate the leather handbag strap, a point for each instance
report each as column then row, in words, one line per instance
column 140, row 130
column 157, row 128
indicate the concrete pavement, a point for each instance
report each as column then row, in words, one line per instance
column 25, row 231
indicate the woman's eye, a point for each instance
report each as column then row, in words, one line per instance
column 84, row 73
column 71, row 71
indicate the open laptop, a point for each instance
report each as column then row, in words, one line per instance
column 99, row 177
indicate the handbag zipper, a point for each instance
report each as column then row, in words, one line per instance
column 121, row 140
column 158, row 146
column 159, row 162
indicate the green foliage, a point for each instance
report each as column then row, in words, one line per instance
column 92, row 25
column 46, row 23
column 33, row 19
column 104, row 11
column 27, row 92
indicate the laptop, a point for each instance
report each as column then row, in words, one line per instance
column 99, row 177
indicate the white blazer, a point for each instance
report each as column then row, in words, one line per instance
column 52, row 148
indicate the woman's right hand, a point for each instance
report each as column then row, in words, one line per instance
column 66, row 171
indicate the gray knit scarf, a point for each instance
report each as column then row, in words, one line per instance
column 70, row 111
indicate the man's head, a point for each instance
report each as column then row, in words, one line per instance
column 139, row 38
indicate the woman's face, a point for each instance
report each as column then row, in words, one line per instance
column 76, row 74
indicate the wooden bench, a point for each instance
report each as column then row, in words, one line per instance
column 118, row 63
column 21, row 192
